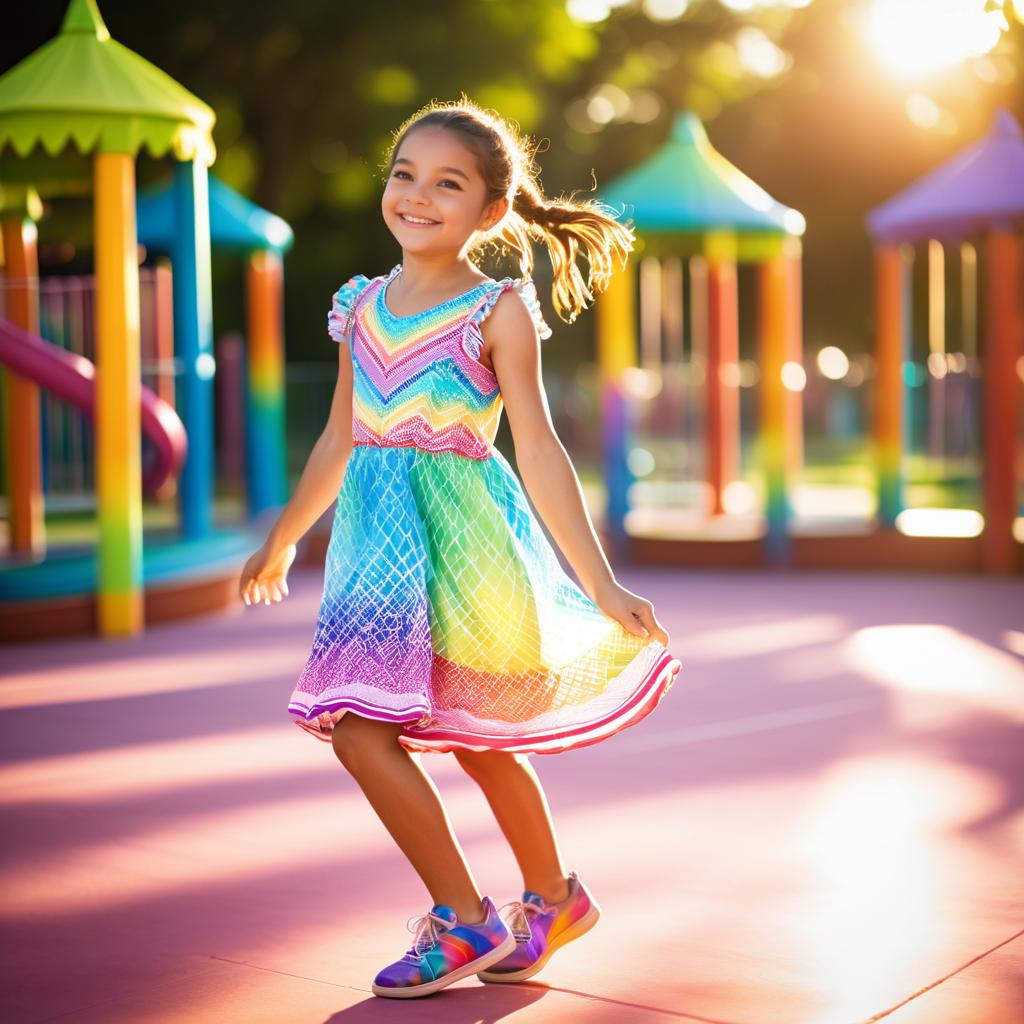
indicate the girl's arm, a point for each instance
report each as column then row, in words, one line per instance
column 322, row 477
column 264, row 574
column 513, row 346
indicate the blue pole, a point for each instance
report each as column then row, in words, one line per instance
column 193, row 340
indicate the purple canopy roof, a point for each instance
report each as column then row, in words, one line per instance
column 979, row 188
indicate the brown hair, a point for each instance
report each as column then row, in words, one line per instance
column 506, row 163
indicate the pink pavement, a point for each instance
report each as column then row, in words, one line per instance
column 824, row 827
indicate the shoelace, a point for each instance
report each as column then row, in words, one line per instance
column 428, row 929
column 518, row 918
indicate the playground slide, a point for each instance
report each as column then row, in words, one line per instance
column 72, row 378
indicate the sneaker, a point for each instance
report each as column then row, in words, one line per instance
column 444, row 951
column 540, row 928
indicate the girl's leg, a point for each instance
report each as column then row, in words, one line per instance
column 408, row 803
column 520, row 806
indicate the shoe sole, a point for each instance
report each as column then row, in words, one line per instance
column 581, row 927
column 465, row 971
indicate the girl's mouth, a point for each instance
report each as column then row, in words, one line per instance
column 417, row 222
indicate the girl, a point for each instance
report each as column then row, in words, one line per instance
column 447, row 622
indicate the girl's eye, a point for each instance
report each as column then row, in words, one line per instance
column 454, row 184
column 397, row 173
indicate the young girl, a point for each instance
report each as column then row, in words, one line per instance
column 447, row 622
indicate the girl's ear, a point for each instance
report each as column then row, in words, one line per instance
column 493, row 212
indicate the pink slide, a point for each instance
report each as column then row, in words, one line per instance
column 72, row 378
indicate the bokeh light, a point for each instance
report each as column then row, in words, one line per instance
column 794, row 376
column 833, row 363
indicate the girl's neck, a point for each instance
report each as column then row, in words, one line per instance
column 435, row 275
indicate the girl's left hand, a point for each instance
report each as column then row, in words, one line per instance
column 635, row 613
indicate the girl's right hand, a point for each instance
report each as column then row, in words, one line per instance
column 263, row 577
column 633, row 612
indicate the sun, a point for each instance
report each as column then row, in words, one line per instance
column 920, row 37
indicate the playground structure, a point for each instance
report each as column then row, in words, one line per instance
column 693, row 209
column 979, row 193
column 688, row 202
column 263, row 238
column 85, row 89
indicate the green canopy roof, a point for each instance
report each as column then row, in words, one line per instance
column 87, row 88
column 687, row 186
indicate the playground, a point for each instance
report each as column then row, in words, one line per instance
column 801, row 440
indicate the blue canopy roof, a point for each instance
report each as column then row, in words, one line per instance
column 235, row 223
column 688, row 186
column 980, row 188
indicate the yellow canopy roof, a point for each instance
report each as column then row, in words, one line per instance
column 86, row 88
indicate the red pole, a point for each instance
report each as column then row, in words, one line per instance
column 722, row 409
column 1000, row 390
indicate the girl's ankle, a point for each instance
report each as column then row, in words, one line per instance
column 554, row 893
column 471, row 917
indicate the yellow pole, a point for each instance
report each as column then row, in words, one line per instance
column 616, row 352
column 119, row 592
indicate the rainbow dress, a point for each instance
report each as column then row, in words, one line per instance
column 445, row 607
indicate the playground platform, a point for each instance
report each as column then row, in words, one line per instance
column 820, row 824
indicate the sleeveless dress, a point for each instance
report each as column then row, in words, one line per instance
column 445, row 607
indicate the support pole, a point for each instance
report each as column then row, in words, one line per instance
column 773, row 343
column 722, row 387
column 616, row 353
column 22, row 427
column 1000, row 401
column 193, row 329
column 891, row 330
column 266, row 473
column 118, row 395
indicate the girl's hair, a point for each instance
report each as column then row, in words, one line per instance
column 565, row 224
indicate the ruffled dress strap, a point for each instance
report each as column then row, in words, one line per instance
column 343, row 307
column 527, row 292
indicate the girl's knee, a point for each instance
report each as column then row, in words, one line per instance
column 360, row 742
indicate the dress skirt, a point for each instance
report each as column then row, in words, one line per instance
column 445, row 609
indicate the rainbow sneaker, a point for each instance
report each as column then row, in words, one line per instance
column 540, row 928
column 445, row 951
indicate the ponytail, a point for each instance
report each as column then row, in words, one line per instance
column 565, row 225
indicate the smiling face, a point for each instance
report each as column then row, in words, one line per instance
column 435, row 198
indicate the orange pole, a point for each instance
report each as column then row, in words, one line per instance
column 722, row 409
column 163, row 302
column 23, row 432
column 1003, row 330
column 773, row 343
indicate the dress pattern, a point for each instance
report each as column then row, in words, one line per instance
column 445, row 607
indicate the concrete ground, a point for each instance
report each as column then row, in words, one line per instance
column 821, row 823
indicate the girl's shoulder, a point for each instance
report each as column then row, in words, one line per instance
column 343, row 304
column 347, row 294
column 525, row 289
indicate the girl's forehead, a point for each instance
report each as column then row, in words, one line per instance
column 434, row 146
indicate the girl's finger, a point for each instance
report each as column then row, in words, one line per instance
column 275, row 592
column 630, row 624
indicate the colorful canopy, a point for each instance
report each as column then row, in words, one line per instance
column 86, row 88
column 235, row 223
column 979, row 188
column 687, row 186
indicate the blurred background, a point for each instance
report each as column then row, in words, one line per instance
column 831, row 106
